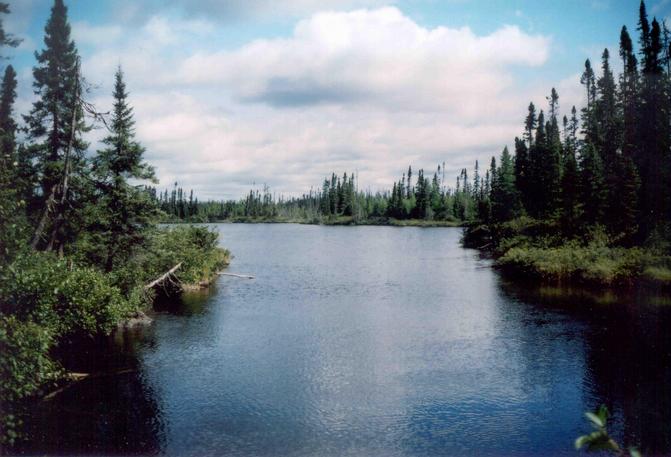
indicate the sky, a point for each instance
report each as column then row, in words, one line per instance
column 233, row 94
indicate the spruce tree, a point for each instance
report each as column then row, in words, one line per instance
column 409, row 186
column 55, row 83
column 628, row 95
column 505, row 200
column 607, row 114
column 592, row 189
column 126, row 211
column 55, row 124
column 12, row 203
column 538, row 153
column 12, row 206
column 627, row 202
column 589, row 119
column 570, row 184
column 7, row 122
column 654, row 130
column 530, row 123
column 553, row 161
column 6, row 39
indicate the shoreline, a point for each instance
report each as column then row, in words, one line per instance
column 341, row 221
column 526, row 250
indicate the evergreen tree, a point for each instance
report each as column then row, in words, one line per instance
column 628, row 95
column 522, row 166
column 324, row 201
column 553, row 162
column 592, row 189
column 570, row 184
column 654, row 130
column 589, row 120
column 607, row 113
column 537, row 199
column 12, row 222
column 530, row 123
column 126, row 210
column 504, row 197
column 56, row 85
column 626, row 203
column 409, row 188
column 6, row 39
column 55, row 124
column 7, row 122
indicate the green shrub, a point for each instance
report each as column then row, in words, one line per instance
column 61, row 297
column 593, row 263
column 25, row 367
column 196, row 247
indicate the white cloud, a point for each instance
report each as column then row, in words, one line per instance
column 372, row 56
column 366, row 90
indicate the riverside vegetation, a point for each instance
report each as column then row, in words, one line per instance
column 590, row 208
column 78, row 240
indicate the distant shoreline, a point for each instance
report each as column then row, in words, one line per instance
column 341, row 220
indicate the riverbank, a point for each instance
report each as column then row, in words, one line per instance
column 47, row 301
column 535, row 250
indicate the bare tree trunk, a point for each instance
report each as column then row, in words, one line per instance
column 163, row 277
column 48, row 208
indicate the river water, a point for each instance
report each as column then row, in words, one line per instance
column 369, row 341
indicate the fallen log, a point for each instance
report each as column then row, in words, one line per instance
column 163, row 277
column 73, row 378
column 221, row 273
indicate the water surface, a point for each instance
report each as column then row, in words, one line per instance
column 374, row 341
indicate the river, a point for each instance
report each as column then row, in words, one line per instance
column 368, row 341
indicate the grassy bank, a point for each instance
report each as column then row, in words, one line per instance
column 534, row 249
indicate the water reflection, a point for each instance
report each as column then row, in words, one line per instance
column 114, row 412
column 627, row 349
column 371, row 341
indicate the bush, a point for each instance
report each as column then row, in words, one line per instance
column 25, row 367
column 61, row 297
column 594, row 263
column 196, row 247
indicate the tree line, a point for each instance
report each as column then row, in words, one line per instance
column 607, row 166
column 339, row 197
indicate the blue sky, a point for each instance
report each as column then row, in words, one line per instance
column 230, row 94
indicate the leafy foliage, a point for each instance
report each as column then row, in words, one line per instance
column 25, row 368
column 599, row 440
column 62, row 298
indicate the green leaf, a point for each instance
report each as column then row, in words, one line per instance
column 581, row 441
column 596, row 420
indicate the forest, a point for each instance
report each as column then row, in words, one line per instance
column 338, row 202
column 581, row 197
column 79, row 240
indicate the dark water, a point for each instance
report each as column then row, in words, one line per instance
column 369, row 341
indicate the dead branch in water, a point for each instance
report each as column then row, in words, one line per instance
column 221, row 273
column 76, row 377
column 163, row 277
